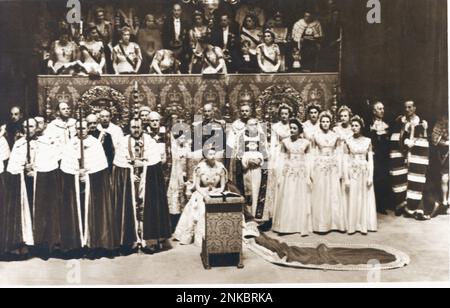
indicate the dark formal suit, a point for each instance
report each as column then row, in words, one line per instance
column 247, row 67
column 380, row 145
column 231, row 48
column 170, row 42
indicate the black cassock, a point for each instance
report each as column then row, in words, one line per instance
column 95, row 212
column 382, row 181
column 123, row 198
column 156, row 208
column 17, row 229
column 48, row 221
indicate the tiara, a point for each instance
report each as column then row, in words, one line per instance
column 345, row 108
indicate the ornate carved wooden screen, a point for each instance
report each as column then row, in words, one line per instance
column 184, row 95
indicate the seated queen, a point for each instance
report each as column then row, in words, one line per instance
column 210, row 177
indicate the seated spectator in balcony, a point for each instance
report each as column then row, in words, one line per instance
column 212, row 58
column 251, row 32
column 63, row 54
column 92, row 52
column 105, row 32
column 165, row 62
column 198, row 30
column 251, row 8
column 246, row 63
column 127, row 57
column 282, row 37
column 226, row 36
column 150, row 41
column 307, row 34
column 268, row 54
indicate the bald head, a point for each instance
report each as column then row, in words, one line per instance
column 16, row 114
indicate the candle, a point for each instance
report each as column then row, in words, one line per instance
column 136, row 86
column 81, row 27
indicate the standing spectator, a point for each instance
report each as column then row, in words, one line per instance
column 126, row 17
column 268, row 53
column 307, row 34
column 329, row 61
column 281, row 37
column 175, row 35
column 250, row 8
column 150, row 41
column 198, row 30
column 251, row 32
column 105, row 32
column 226, row 36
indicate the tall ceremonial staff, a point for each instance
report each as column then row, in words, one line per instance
column 80, row 121
column 27, row 124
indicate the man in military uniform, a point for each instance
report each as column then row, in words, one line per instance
column 209, row 131
column 206, row 130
